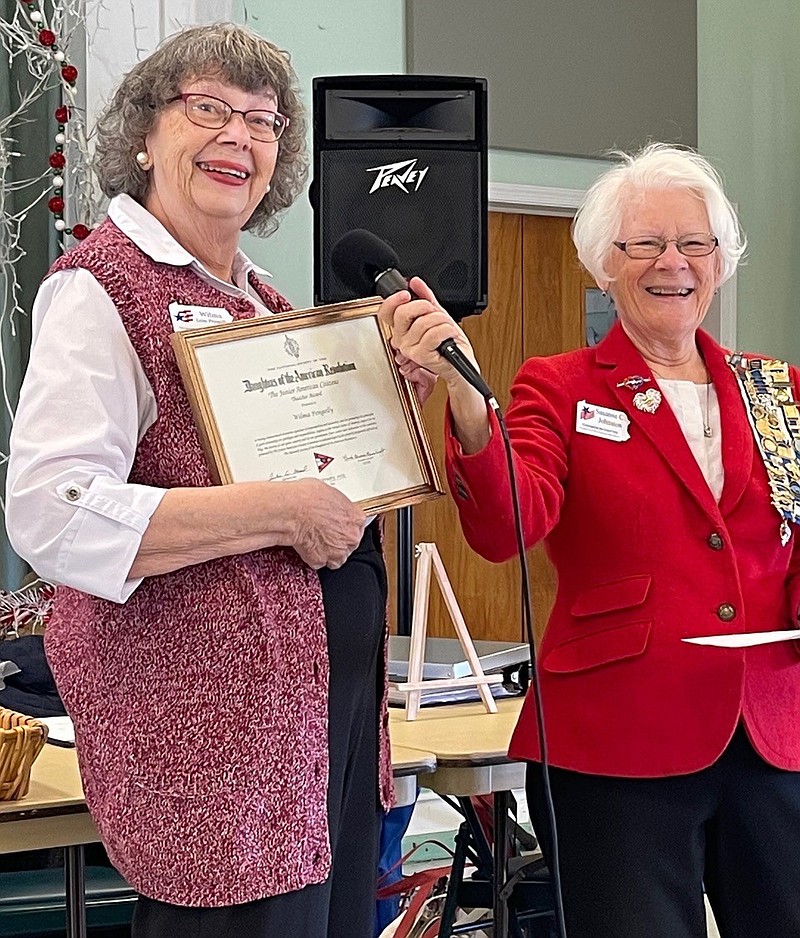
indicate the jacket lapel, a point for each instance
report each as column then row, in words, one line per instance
column 620, row 359
column 737, row 436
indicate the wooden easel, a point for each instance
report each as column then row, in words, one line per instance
column 427, row 555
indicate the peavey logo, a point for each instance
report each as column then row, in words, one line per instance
column 398, row 174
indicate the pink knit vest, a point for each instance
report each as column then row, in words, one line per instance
column 200, row 705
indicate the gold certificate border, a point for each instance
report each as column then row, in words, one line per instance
column 187, row 342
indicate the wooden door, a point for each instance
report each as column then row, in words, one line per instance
column 535, row 308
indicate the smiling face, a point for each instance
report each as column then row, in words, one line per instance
column 208, row 179
column 663, row 298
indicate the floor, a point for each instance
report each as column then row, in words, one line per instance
column 435, row 820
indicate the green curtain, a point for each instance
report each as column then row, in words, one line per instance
column 34, row 141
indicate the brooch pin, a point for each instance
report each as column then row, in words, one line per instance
column 633, row 383
column 648, row 401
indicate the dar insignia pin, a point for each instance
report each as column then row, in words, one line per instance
column 633, row 383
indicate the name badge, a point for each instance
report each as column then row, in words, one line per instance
column 604, row 422
column 195, row 317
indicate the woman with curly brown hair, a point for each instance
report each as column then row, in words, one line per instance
column 219, row 648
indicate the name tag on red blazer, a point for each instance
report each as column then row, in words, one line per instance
column 605, row 422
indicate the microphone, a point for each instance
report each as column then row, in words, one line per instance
column 366, row 264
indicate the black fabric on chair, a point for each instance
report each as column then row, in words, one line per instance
column 32, row 691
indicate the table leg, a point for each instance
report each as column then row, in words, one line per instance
column 455, row 881
column 75, row 883
column 502, row 804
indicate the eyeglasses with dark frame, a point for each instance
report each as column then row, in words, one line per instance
column 698, row 244
column 204, row 110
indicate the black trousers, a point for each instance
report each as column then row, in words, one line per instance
column 344, row 905
column 635, row 853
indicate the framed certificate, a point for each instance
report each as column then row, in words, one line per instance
column 309, row 394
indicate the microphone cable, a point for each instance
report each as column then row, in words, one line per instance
column 555, row 871
column 365, row 262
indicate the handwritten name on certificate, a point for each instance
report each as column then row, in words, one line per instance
column 317, row 400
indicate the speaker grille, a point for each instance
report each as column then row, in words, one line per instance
column 433, row 219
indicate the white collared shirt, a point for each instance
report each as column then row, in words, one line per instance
column 84, row 406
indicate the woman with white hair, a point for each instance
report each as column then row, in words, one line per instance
column 661, row 472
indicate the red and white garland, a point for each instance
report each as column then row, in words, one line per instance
column 49, row 41
column 37, row 36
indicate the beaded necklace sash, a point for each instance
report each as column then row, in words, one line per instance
column 774, row 417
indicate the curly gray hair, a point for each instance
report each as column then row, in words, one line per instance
column 655, row 166
column 224, row 51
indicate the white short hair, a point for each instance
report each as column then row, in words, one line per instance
column 656, row 166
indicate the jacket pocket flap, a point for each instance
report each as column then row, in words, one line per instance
column 591, row 651
column 608, row 597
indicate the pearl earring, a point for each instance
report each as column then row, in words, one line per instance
column 269, row 187
column 143, row 159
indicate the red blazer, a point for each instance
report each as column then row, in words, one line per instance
column 645, row 556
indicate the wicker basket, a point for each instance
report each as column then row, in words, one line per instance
column 21, row 741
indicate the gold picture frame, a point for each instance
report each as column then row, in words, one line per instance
column 312, row 393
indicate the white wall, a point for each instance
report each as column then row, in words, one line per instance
column 120, row 32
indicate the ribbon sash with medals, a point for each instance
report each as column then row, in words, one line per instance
column 774, row 417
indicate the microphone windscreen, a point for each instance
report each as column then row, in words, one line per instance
column 358, row 257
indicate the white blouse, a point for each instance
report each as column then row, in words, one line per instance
column 695, row 407
column 84, row 406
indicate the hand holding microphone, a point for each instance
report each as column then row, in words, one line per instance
column 419, row 326
column 421, row 330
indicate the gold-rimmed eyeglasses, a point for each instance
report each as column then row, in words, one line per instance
column 698, row 244
column 205, row 110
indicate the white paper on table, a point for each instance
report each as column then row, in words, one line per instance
column 745, row 639
column 61, row 732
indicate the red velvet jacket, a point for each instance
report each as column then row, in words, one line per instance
column 628, row 526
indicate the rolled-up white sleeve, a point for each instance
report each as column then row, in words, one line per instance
column 84, row 406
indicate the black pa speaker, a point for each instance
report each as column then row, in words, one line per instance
column 404, row 156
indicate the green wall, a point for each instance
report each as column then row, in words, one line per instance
column 540, row 169
column 351, row 37
column 749, row 126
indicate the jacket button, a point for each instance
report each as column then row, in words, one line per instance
column 73, row 494
column 726, row 612
column 715, row 542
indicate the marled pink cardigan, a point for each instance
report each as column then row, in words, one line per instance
column 200, row 705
